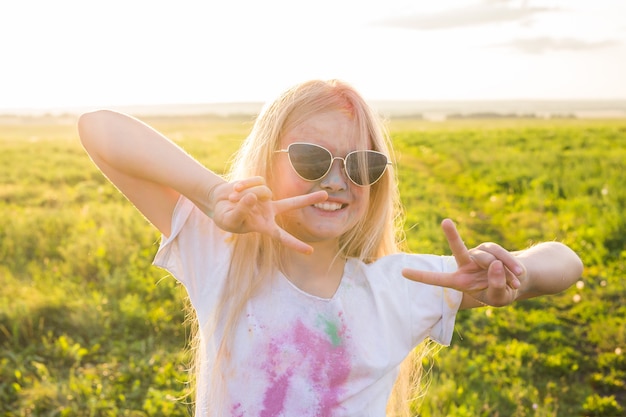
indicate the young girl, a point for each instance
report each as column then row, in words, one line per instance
column 305, row 305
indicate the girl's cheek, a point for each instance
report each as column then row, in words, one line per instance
column 288, row 185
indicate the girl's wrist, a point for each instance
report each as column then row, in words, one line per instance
column 211, row 199
column 203, row 195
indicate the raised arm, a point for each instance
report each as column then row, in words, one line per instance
column 551, row 267
column 489, row 274
column 152, row 172
column 149, row 169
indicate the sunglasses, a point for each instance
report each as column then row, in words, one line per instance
column 312, row 162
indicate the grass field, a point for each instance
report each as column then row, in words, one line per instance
column 89, row 328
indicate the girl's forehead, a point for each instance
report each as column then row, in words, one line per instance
column 334, row 130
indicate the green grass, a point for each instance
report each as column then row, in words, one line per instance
column 519, row 183
column 89, row 328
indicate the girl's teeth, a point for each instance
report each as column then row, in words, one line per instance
column 328, row 206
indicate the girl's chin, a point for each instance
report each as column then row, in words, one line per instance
column 317, row 236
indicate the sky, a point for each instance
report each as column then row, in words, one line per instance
column 73, row 53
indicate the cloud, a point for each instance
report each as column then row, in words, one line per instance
column 493, row 11
column 543, row 44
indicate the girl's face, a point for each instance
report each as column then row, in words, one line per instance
column 347, row 202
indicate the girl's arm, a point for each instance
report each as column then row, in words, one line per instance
column 152, row 172
column 149, row 169
column 548, row 268
column 489, row 274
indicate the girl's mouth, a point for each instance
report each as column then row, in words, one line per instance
column 328, row 206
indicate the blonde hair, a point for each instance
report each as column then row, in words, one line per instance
column 256, row 257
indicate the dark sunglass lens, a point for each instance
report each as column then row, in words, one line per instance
column 311, row 162
column 365, row 167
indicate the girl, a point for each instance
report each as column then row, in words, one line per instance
column 305, row 305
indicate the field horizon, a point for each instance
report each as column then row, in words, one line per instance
column 426, row 109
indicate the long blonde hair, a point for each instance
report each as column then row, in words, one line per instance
column 255, row 257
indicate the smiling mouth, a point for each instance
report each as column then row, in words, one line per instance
column 328, row 206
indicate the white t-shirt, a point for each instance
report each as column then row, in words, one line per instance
column 298, row 355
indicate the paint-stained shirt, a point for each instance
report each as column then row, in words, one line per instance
column 296, row 354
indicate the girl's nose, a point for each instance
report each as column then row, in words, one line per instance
column 336, row 179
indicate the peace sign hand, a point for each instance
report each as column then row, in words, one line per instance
column 246, row 206
column 488, row 273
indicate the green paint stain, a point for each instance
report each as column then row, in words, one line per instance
column 332, row 331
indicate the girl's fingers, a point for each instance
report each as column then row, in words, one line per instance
column 459, row 250
column 241, row 210
column 485, row 259
column 292, row 242
column 482, row 259
column 246, row 183
column 508, row 259
column 292, row 203
column 261, row 192
column 300, row 201
column 498, row 292
column 441, row 279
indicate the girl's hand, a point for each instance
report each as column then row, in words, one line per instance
column 488, row 273
column 246, row 206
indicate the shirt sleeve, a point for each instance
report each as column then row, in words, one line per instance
column 433, row 308
column 450, row 302
column 415, row 311
column 196, row 253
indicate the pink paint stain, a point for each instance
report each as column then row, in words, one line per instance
column 320, row 360
column 274, row 401
column 236, row 411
